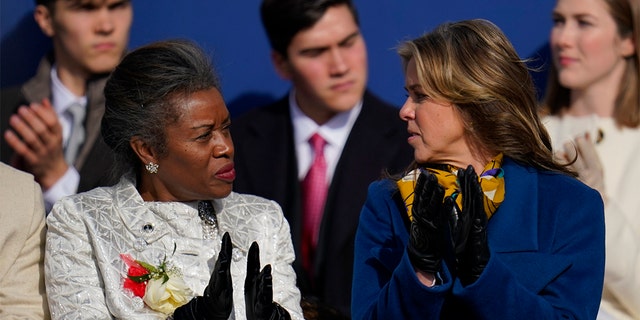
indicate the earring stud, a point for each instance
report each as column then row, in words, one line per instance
column 151, row 167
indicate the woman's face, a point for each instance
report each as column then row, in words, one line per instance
column 587, row 49
column 198, row 163
column 436, row 130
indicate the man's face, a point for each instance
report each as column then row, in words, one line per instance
column 89, row 36
column 327, row 65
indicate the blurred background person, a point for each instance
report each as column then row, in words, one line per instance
column 51, row 123
column 170, row 238
column 593, row 107
column 316, row 149
column 22, row 231
column 487, row 225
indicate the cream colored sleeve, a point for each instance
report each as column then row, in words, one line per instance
column 22, row 240
column 622, row 271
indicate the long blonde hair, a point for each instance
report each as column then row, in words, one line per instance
column 472, row 65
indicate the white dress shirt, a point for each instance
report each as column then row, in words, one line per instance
column 62, row 98
column 335, row 132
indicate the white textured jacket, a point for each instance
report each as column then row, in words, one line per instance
column 87, row 233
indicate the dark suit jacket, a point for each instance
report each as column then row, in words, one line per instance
column 95, row 160
column 266, row 165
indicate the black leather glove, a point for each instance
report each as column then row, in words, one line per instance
column 427, row 238
column 217, row 300
column 258, row 290
column 470, row 230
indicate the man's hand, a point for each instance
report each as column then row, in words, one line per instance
column 36, row 138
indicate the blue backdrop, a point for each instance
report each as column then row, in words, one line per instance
column 232, row 33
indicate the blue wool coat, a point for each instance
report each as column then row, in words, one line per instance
column 547, row 256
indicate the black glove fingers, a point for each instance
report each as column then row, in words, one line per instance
column 427, row 199
column 436, row 202
column 266, row 285
column 466, row 178
column 449, row 213
column 472, row 251
column 253, row 260
column 420, row 193
column 477, row 255
column 279, row 313
column 224, row 257
column 225, row 248
column 220, row 279
column 425, row 248
column 263, row 307
column 217, row 300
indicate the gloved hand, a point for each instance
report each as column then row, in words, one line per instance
column 587, row 164
column 426, row 245
column 470, row 230
column 258, row 290
column 217, row 300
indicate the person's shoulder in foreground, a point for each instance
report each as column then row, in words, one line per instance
column 22, row 292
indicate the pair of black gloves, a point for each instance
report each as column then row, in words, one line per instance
column 217, row 301
column 440, row 229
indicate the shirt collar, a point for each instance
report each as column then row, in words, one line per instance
column 335, row 131
column 61, row 96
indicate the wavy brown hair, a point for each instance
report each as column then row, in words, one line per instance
column 472, row 65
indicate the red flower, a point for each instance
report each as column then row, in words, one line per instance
column 138, row 288
column 137, row 276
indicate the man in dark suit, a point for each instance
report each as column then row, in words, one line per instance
column 42, row 134
column 317, row 45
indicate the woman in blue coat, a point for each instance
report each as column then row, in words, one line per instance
column 486, row 225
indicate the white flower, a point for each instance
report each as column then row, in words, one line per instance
column 165, row 295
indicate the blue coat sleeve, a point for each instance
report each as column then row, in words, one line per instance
column 385, row 285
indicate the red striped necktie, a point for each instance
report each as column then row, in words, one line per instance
column 314, row 193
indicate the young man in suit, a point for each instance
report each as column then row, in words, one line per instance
column 64, row 150
column 317, row 45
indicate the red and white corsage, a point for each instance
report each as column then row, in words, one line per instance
column 160, row 287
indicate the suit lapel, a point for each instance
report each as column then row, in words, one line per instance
column 95, row 111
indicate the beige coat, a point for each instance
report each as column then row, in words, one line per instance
column 22, row 231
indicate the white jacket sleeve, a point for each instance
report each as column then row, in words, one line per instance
column 74, row 287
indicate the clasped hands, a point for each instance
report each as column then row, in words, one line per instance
column 439, row 228
column 217, row 301
column 581, row 156
column 36, row 138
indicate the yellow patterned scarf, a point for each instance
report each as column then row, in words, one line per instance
column 491, row 181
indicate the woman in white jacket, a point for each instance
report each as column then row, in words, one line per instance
column 593, row 106
column 170, row 240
